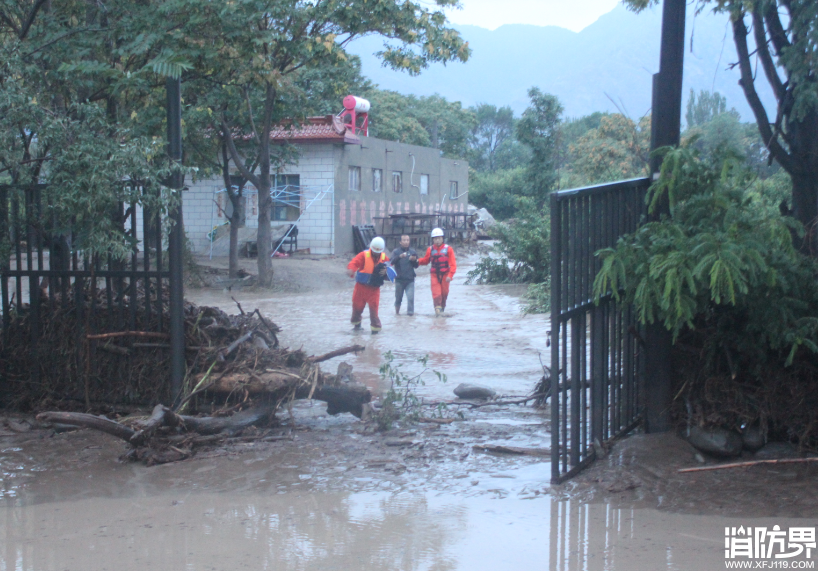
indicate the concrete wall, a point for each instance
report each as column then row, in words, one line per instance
column 315, row 231
column 362, row 207
column 326, row 227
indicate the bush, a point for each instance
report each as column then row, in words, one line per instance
column 722, row 274
column 538, row 297
column 497, row 191
column 523, row 252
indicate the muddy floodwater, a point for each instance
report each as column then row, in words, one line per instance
column 335, row 495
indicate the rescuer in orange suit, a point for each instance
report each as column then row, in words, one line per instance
column 444, row 264
column 369, row 269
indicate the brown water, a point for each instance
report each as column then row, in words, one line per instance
column 337, row 497
column 485, row 338
column 386, row 530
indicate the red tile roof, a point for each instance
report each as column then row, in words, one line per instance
column 326, row 129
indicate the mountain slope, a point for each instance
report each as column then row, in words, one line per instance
column 612, row 59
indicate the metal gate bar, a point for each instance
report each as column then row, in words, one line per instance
column 28, row 233
column 596, row 367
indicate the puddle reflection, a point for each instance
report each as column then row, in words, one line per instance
column 360, row 531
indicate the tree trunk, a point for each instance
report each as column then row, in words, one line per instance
column 804, row 149
column 805, row 209
column 235, row 219
column 234, row 236
column 265, row 203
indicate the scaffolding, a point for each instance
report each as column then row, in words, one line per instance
column 291, row 195
column 304, row 196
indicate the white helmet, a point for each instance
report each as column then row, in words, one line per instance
column 437, row 232
column 377, row 245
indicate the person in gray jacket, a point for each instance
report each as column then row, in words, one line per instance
column 404, row 262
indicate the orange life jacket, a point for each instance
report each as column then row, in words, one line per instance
column 363, row 276
column 440, row 260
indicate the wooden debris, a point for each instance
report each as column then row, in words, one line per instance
column 336, row 353
column 747, row 464
column 499, row 449
column 437, row 420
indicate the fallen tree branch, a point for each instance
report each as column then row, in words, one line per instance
column 499, row 449
column 749, row 463
column 89, row 421
column 436, row 420
column 128, row 334
column 271, row 328
column 336, row 353
column 502, row 402
column 161, row 416
column 235, row 344
column 238, row 304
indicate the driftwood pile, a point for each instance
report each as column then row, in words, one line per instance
column 237, row 374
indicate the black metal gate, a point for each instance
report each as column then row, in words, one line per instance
column 596, row 365
column 40, row 271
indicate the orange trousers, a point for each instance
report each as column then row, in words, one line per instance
column 440, row 290
column 362, row 296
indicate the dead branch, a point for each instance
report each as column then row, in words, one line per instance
column 128, row 334
column 499, row 449
column 502, row 402
column 436, row 420
column 89, row 421
column 235, row 344
column 746, row 464
column 161, row 416
column 238, row 305
column 336, row 353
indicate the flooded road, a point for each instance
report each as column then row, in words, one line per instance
column 485, row 339
column 381, row 531
column 334, row 495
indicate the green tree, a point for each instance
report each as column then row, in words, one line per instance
column 494, row 128
column 706, row 107
column 785, row 38
column 498, row 191
column 257, row 47
column 63, row 126
column 539, row 129
column 240, row 63
column 615, row 150
column 431, row 121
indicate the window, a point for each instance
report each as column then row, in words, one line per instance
column 397, row 181
column 424, row 184
column 453, row 190
column 286, row 197
column 377, row 180
column 355, row 178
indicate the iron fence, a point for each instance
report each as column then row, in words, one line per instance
column 42, row 273
column 596, row 365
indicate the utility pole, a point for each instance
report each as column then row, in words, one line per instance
column 176, row 241
column 666, row 120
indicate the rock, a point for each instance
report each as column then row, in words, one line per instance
column 484, row 221
column 775, row 450
column 754, row 438
column 716, row 441
column 344, row 373
column 467, row 391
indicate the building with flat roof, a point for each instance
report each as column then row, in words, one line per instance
column 341, row 179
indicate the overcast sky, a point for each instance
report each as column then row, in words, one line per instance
column 572, row 14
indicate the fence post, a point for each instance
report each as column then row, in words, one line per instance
column 665, row 131
column 176, row 242
column 556, row 307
